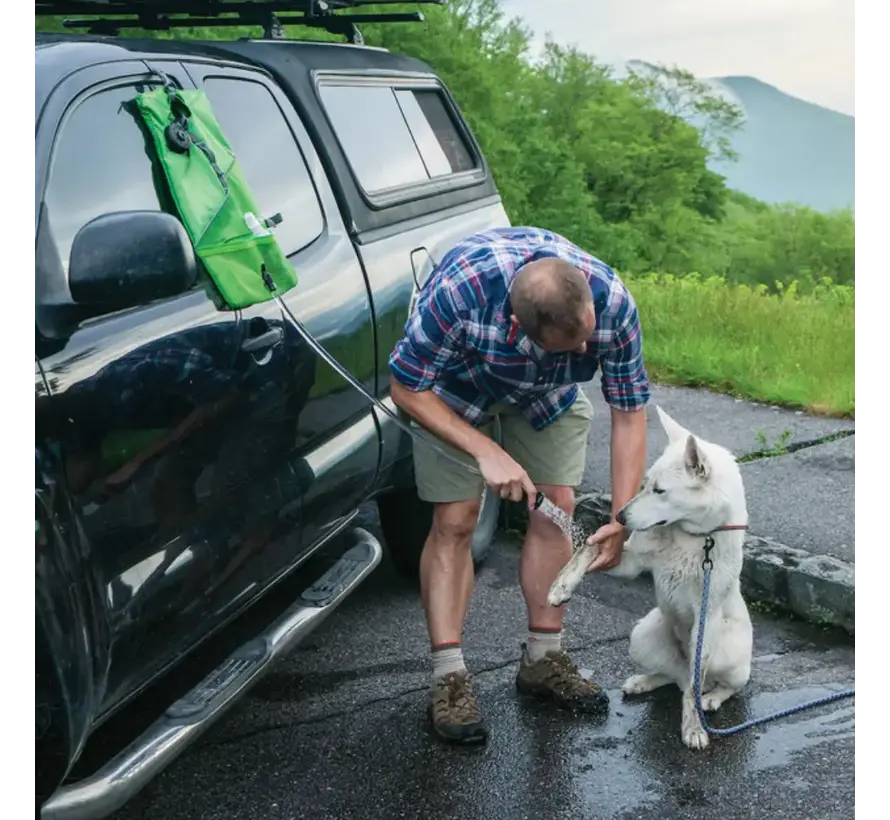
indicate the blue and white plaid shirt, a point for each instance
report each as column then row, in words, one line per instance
column 459, row 342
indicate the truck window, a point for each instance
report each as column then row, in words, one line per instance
column 270, row 158
column 395, row 137
column 101, row 163
column 439, row 142
column 370, row 127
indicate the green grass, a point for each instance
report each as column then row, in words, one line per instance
column 786, row 348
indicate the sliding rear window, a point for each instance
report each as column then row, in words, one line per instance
column 399, row 141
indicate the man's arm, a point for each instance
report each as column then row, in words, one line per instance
column 626, row 390
column 431, row 413
column 433, row 338
column 628, row 455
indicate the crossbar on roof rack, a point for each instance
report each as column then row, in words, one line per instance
column 157, row 15
column 272, row 27
column 204, row 8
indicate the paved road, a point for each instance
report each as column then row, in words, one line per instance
column 336, row 731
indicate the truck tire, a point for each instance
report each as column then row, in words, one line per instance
column 406, row 520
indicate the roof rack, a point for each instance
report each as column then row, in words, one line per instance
column 272, row 15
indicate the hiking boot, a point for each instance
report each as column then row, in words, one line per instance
column 554, row 677
column 453, row 710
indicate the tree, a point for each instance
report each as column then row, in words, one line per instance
column 681, row 94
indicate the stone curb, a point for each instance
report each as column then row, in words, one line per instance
column 817, row 588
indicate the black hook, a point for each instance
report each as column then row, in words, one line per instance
column 709, row 545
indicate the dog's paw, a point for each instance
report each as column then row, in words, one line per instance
column 693, row 733
column 559, row 594
column 695, row 737
column 640, row 684
column 711, row 703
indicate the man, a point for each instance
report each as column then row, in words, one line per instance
column 509, row 322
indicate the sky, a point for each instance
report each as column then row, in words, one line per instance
column 803, row 47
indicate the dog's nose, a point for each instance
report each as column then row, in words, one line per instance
column 621, row 518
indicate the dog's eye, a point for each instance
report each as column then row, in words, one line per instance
column 657, row 490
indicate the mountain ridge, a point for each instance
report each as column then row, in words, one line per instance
column 790, row 150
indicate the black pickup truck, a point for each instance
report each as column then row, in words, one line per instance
column 188, row 457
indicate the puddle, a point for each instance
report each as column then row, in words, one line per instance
column 773, row 656
column 636, row 758
column 610, row 781
column 591, row 771
column 776, row 743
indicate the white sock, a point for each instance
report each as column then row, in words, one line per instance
column 539, row 643
column 447, row 658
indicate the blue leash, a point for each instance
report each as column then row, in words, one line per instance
column 707, row 566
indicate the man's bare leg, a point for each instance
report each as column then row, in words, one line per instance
column 545, row 671
column 446, row 583
column 544, row 553
column 446, row 570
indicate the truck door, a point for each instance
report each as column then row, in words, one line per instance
column 161, row 410
column 334, row 441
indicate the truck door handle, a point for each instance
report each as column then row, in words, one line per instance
column 264, row 341
column 417, row 264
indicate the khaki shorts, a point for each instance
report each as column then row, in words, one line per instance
column 555, row 455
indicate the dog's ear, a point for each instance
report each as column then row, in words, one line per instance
column 696, row 462
column 674, row 431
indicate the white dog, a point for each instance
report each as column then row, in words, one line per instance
column 695, row 488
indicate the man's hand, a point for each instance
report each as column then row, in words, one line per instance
column 504, row 475
column 610, row 538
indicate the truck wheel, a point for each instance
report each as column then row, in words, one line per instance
column 406, row 521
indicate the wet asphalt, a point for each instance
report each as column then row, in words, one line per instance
column 337, row 730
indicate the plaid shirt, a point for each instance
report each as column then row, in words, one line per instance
column 459, row 341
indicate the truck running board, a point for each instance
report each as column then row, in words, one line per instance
column 185, row 720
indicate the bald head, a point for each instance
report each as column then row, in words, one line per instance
column 551, row 298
